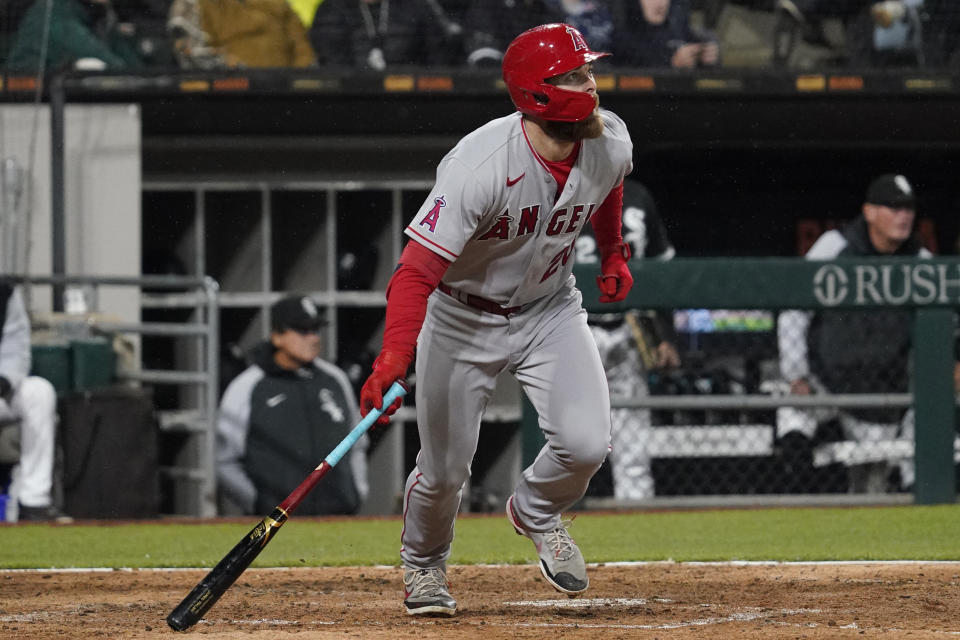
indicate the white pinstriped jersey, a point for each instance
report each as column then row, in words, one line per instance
column 492, row 211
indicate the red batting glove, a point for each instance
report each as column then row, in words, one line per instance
column 387, row 369
column 616, row 280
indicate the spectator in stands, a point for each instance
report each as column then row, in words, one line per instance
column 282, row 416
column 920, row 32
column 853, row 351
column 592, row 18
column 146, row 21
column 33, row 401
column 658, row 33
column 877, row 34
column 492, row 25
column 82, row 33
column 807, row 17
column 633, row 344
column 191, row 44
column 939, row 26
column 381, row 34
column 239, row 33
column 898, row 31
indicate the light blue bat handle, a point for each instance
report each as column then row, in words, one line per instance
column 395, row 391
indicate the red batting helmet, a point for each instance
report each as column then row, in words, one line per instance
column 540, row 53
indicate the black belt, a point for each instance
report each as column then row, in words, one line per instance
column 479, row 303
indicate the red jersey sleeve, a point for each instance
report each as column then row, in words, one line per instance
column 607, row 222
column 418, row 273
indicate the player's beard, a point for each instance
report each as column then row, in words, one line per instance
column 589, row 127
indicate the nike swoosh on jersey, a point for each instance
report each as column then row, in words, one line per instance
column 510, row 182
column 275, row 400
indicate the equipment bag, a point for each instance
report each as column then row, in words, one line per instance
column 110, row 454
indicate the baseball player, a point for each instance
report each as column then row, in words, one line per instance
column 633, row 344
column 485, row 285
column 33, row 401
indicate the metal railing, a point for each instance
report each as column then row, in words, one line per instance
column 196, row 468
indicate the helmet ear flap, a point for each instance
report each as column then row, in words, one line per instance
column 541, row 98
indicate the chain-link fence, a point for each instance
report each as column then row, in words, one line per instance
column 774, row 400
column 692, row 448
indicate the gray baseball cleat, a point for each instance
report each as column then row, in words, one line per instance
column 425, row 592
column 561, row 562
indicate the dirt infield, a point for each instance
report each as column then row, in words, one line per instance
column 661, row 600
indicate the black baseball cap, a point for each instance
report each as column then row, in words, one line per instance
column 299, row 313
column 891, row 190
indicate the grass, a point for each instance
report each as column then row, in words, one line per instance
column 863, row 533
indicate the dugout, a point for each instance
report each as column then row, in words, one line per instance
column 743, row 163
column 738, row 158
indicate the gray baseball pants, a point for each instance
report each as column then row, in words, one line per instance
column 549, row 349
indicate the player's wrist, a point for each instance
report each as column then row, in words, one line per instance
column 393, row 363
column 614, row 253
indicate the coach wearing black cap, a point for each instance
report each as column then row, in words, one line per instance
column 281, row 417
column 888, row 212
column 295, row 325
column 854, row 351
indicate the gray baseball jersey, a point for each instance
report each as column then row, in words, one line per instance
column 494, row 213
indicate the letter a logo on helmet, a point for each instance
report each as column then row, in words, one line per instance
column 541, row 53
column 579, row 44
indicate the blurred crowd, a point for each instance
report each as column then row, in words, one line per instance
column 381, row 34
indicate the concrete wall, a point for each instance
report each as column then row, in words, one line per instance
column 102, row 194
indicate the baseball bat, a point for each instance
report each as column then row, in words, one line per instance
column 222, row 576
